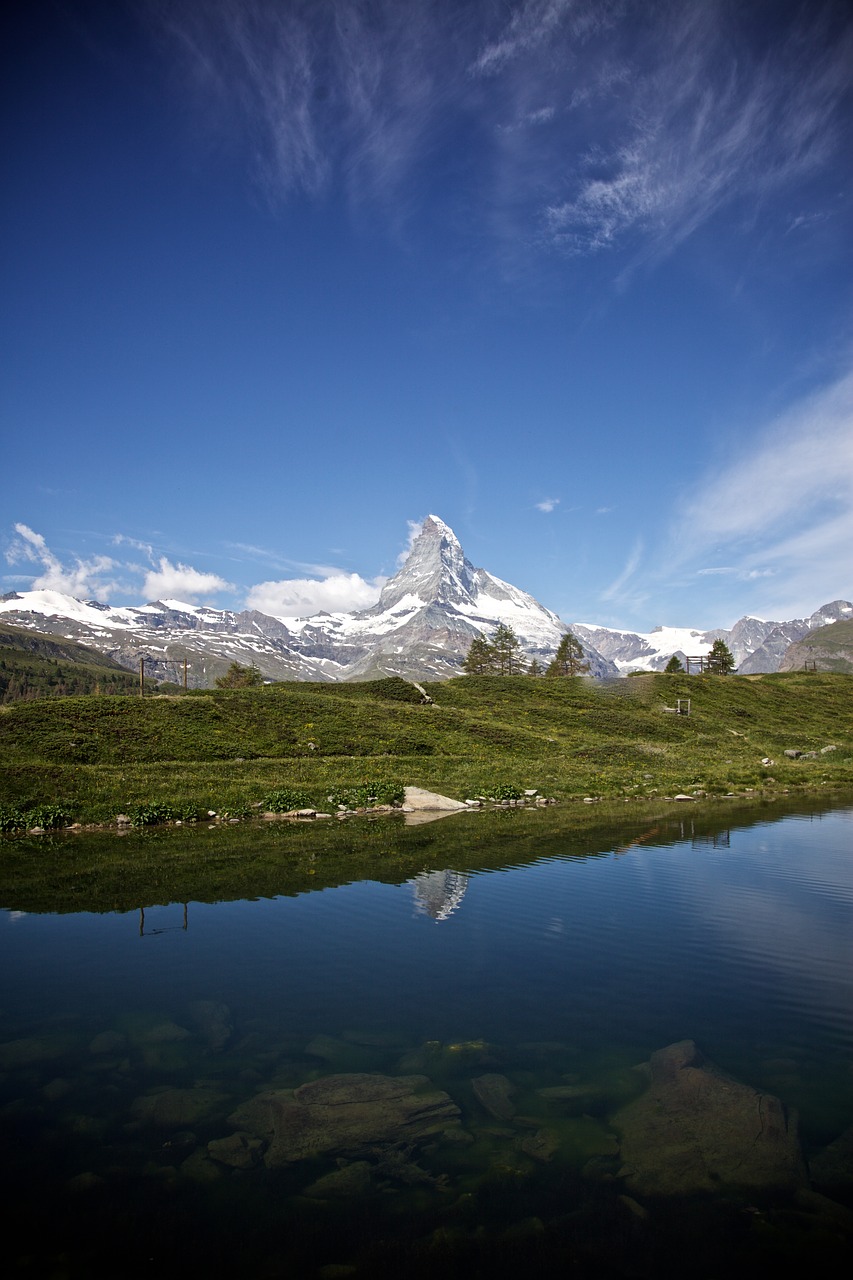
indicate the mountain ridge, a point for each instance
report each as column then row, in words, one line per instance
column 420, row 628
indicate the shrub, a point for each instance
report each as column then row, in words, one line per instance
column 46, row 815
column 11, row 819
column 149, row 815
column 505, row 791
column 368, row 793
column 284, row 799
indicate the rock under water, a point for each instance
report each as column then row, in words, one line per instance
column 697, row 1129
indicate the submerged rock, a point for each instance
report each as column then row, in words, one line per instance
column 212, row 1021
column 494, row 1092
column 351, row 1180
column 697, row 1129
column 832, row 1169
column 172, row 1108
column 347, row 1115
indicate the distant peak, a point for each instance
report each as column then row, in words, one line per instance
column 434, row 526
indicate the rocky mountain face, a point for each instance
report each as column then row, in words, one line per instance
column 421, row 627
column 757, row 645
column 828, row 648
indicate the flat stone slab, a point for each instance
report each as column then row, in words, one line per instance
column 346, row 1115
column 418, row 799
column 697, row 1129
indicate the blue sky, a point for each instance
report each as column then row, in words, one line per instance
column 282, row 278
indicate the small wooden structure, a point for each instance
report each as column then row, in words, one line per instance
column 681, row 708
column 700, row 663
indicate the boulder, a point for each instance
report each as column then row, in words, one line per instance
column 494, row 1092
column 212, row 1021
column 416, row 798
column 345, row 1115
column 697, row 1129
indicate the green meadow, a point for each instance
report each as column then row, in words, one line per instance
column 86, row 759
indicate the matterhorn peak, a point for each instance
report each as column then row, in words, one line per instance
column 435, row 570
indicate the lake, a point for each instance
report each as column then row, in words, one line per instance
column 582, row 1043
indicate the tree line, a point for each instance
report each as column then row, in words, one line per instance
column 502, row 656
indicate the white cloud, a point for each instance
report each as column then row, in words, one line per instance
column 181, row 582
column 783, row 510
column 631, row 565
column 657, row 115
column 547, row 504
column 700, row 126
column 415, row 527
column 85, row 578
column 302, row 597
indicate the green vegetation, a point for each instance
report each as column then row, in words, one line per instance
column 500, row 656
column 569, row 659
column 720, row 660
column 240, row 677
column 233, row 751
column 675, row 666
column 36, row 666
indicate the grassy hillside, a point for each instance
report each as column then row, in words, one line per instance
column 37, row 666
column 830, row 648
column 94, row 757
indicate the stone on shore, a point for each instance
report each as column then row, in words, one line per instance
column 417, row 799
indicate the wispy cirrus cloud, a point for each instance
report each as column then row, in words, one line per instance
column 701, row 127
column 575, row 125
column 783, row 510
column 547, row 504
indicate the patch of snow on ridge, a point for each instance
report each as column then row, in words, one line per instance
column 55, row 604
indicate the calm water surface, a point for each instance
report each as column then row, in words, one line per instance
column 131, row 1036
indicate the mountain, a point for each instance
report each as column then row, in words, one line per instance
column 757, row 645
column 36, row 666
column 420, row 628
column 830, row 648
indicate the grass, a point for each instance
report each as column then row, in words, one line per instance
column 229, row 750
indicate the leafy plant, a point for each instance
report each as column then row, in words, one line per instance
column 369, row 793
column 11, row 818
column 149, row 815
column 46, row 815
column 284, row 799
column 505, row 791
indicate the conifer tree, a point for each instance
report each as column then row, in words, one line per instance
column 569, row 659
column 674, row 666
column 481, row 658
column 720, row 661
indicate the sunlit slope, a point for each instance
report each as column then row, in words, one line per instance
column 565, row 737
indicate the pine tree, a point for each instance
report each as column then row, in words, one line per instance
column 240, row 677
column 535, row 668
column 674, row 666
column 481, row 658
column 506, row 646
column 720, row 661
column 569, row 659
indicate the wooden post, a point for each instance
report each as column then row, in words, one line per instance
column 185, row 675
column 142, row 677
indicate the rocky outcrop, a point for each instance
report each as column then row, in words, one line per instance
column 346, row 1115
column 828, row 648
column 697, row 1129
